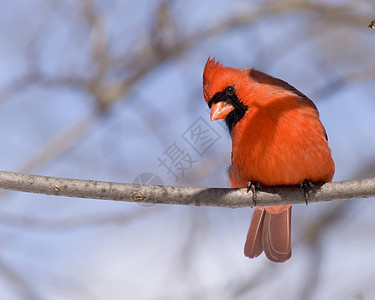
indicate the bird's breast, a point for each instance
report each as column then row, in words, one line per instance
column 281, row 150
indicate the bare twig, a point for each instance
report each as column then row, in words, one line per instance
column 219, row 197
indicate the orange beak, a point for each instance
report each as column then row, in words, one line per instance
column 220, row 110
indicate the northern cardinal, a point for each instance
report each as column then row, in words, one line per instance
column 277, row 139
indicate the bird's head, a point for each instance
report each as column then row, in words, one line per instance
column 231, row 92
column 223, row 90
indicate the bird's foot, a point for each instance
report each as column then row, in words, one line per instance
column 254, row 187
column 307, row 186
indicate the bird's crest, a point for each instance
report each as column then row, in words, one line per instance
column 211, row 72
column 211, row 62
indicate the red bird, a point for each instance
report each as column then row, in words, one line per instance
column 277, row 139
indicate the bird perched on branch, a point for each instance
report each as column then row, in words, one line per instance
column 277, row 139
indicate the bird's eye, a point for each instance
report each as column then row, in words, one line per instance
column 229, row 90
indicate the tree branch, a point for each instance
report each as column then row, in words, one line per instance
column 219, row 197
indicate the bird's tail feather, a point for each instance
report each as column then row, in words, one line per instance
column 270, row 232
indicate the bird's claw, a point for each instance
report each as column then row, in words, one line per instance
column 307, row 186
column 254, row 187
